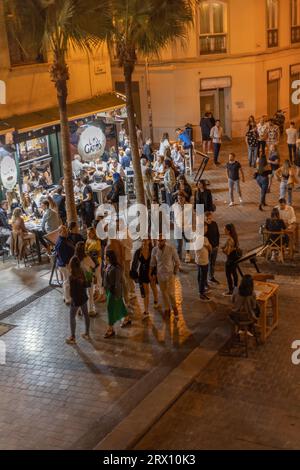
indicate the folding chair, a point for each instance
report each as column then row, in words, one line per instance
column 275, row 244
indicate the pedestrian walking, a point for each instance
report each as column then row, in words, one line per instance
column 216, row 135
column 232, row 251
column 165, row 265
column 79, row 298
column 234, row 171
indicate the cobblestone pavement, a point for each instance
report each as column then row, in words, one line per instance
column 54, row 396
column 238, row 403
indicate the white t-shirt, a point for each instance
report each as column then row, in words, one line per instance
column 287, row 215
column 291, row 136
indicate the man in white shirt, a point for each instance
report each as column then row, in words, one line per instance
column 216, row 135
column 287, row 213
column 291, row 133
column 165, row 261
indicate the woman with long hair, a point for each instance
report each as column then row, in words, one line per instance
column 164, row 144
column 116, row 309
column 286, row 174
column 245, row 306
column 79, row 298
column 262, row 178
column 88, row 267
column 140, row 272
column 18, row 226
column 231, row 250
column 203, row 196
column 93, row 249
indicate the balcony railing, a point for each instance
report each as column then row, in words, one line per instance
column 295, row 34
column 272, row 37
column 213, row 44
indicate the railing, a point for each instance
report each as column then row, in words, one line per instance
column 272, row 37
column 213, row 44
column 295, row 34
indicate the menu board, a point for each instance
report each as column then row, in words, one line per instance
column 32, row 149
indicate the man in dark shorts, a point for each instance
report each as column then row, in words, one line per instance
column 206, row 126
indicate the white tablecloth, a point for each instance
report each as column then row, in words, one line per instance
column 101, row 189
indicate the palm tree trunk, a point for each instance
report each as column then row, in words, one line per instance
column 60, row 76
column 136, row 160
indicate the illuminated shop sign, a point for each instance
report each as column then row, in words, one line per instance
column 92, row 142
column 8, row 170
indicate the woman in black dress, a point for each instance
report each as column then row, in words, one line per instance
column 140, row 272
column 204, row 196
column 88, row 206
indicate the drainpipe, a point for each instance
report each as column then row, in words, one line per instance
column 149, row 106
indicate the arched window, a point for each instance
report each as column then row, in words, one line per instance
column 295, row 21
column 272, row 22
column 213, row 27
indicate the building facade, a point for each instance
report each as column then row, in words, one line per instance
column 26, row 75
column 240, row 59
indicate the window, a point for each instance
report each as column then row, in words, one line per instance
column 213, row 31
column 295, row 21
column 272, row 23
column 19, row 53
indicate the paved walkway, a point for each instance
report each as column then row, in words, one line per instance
column 54, row 396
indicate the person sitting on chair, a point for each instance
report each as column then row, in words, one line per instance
column 245, row 307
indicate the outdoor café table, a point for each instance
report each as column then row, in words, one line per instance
column 267, row 297
column 101, row 189
column 35, row 227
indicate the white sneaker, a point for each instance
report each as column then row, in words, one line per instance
column 231, row 204
column 241, row 200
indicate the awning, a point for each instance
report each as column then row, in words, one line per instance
column 50, row 116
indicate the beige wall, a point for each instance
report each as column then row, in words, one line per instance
column 175, row 79
column 29, row 87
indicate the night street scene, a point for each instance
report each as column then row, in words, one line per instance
column 149, row 229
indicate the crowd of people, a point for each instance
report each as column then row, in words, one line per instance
column 94, row 270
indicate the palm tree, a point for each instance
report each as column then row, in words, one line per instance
column 144, row 28
column 56, row 26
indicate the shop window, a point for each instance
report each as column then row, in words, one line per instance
column 35, row 163
column 295, row 21
column 272, row 23
column 19, row 52
column 213, row 27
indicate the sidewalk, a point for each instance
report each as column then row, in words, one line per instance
column 54, row 396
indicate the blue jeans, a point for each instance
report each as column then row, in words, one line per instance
column 252, row 155
column 217, row 148
column 234, row 184
column 263, row 183
column 261, row 144
column 285, row 188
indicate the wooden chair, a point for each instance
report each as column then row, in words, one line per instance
column 274, row 243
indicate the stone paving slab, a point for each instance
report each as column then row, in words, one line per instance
column 237, row 403
column 142, row 418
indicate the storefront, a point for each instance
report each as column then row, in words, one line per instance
column 30, row 144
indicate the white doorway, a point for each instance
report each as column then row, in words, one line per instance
column 218, row 102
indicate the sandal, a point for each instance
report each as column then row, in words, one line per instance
column 109, row 334
column 126, row 323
